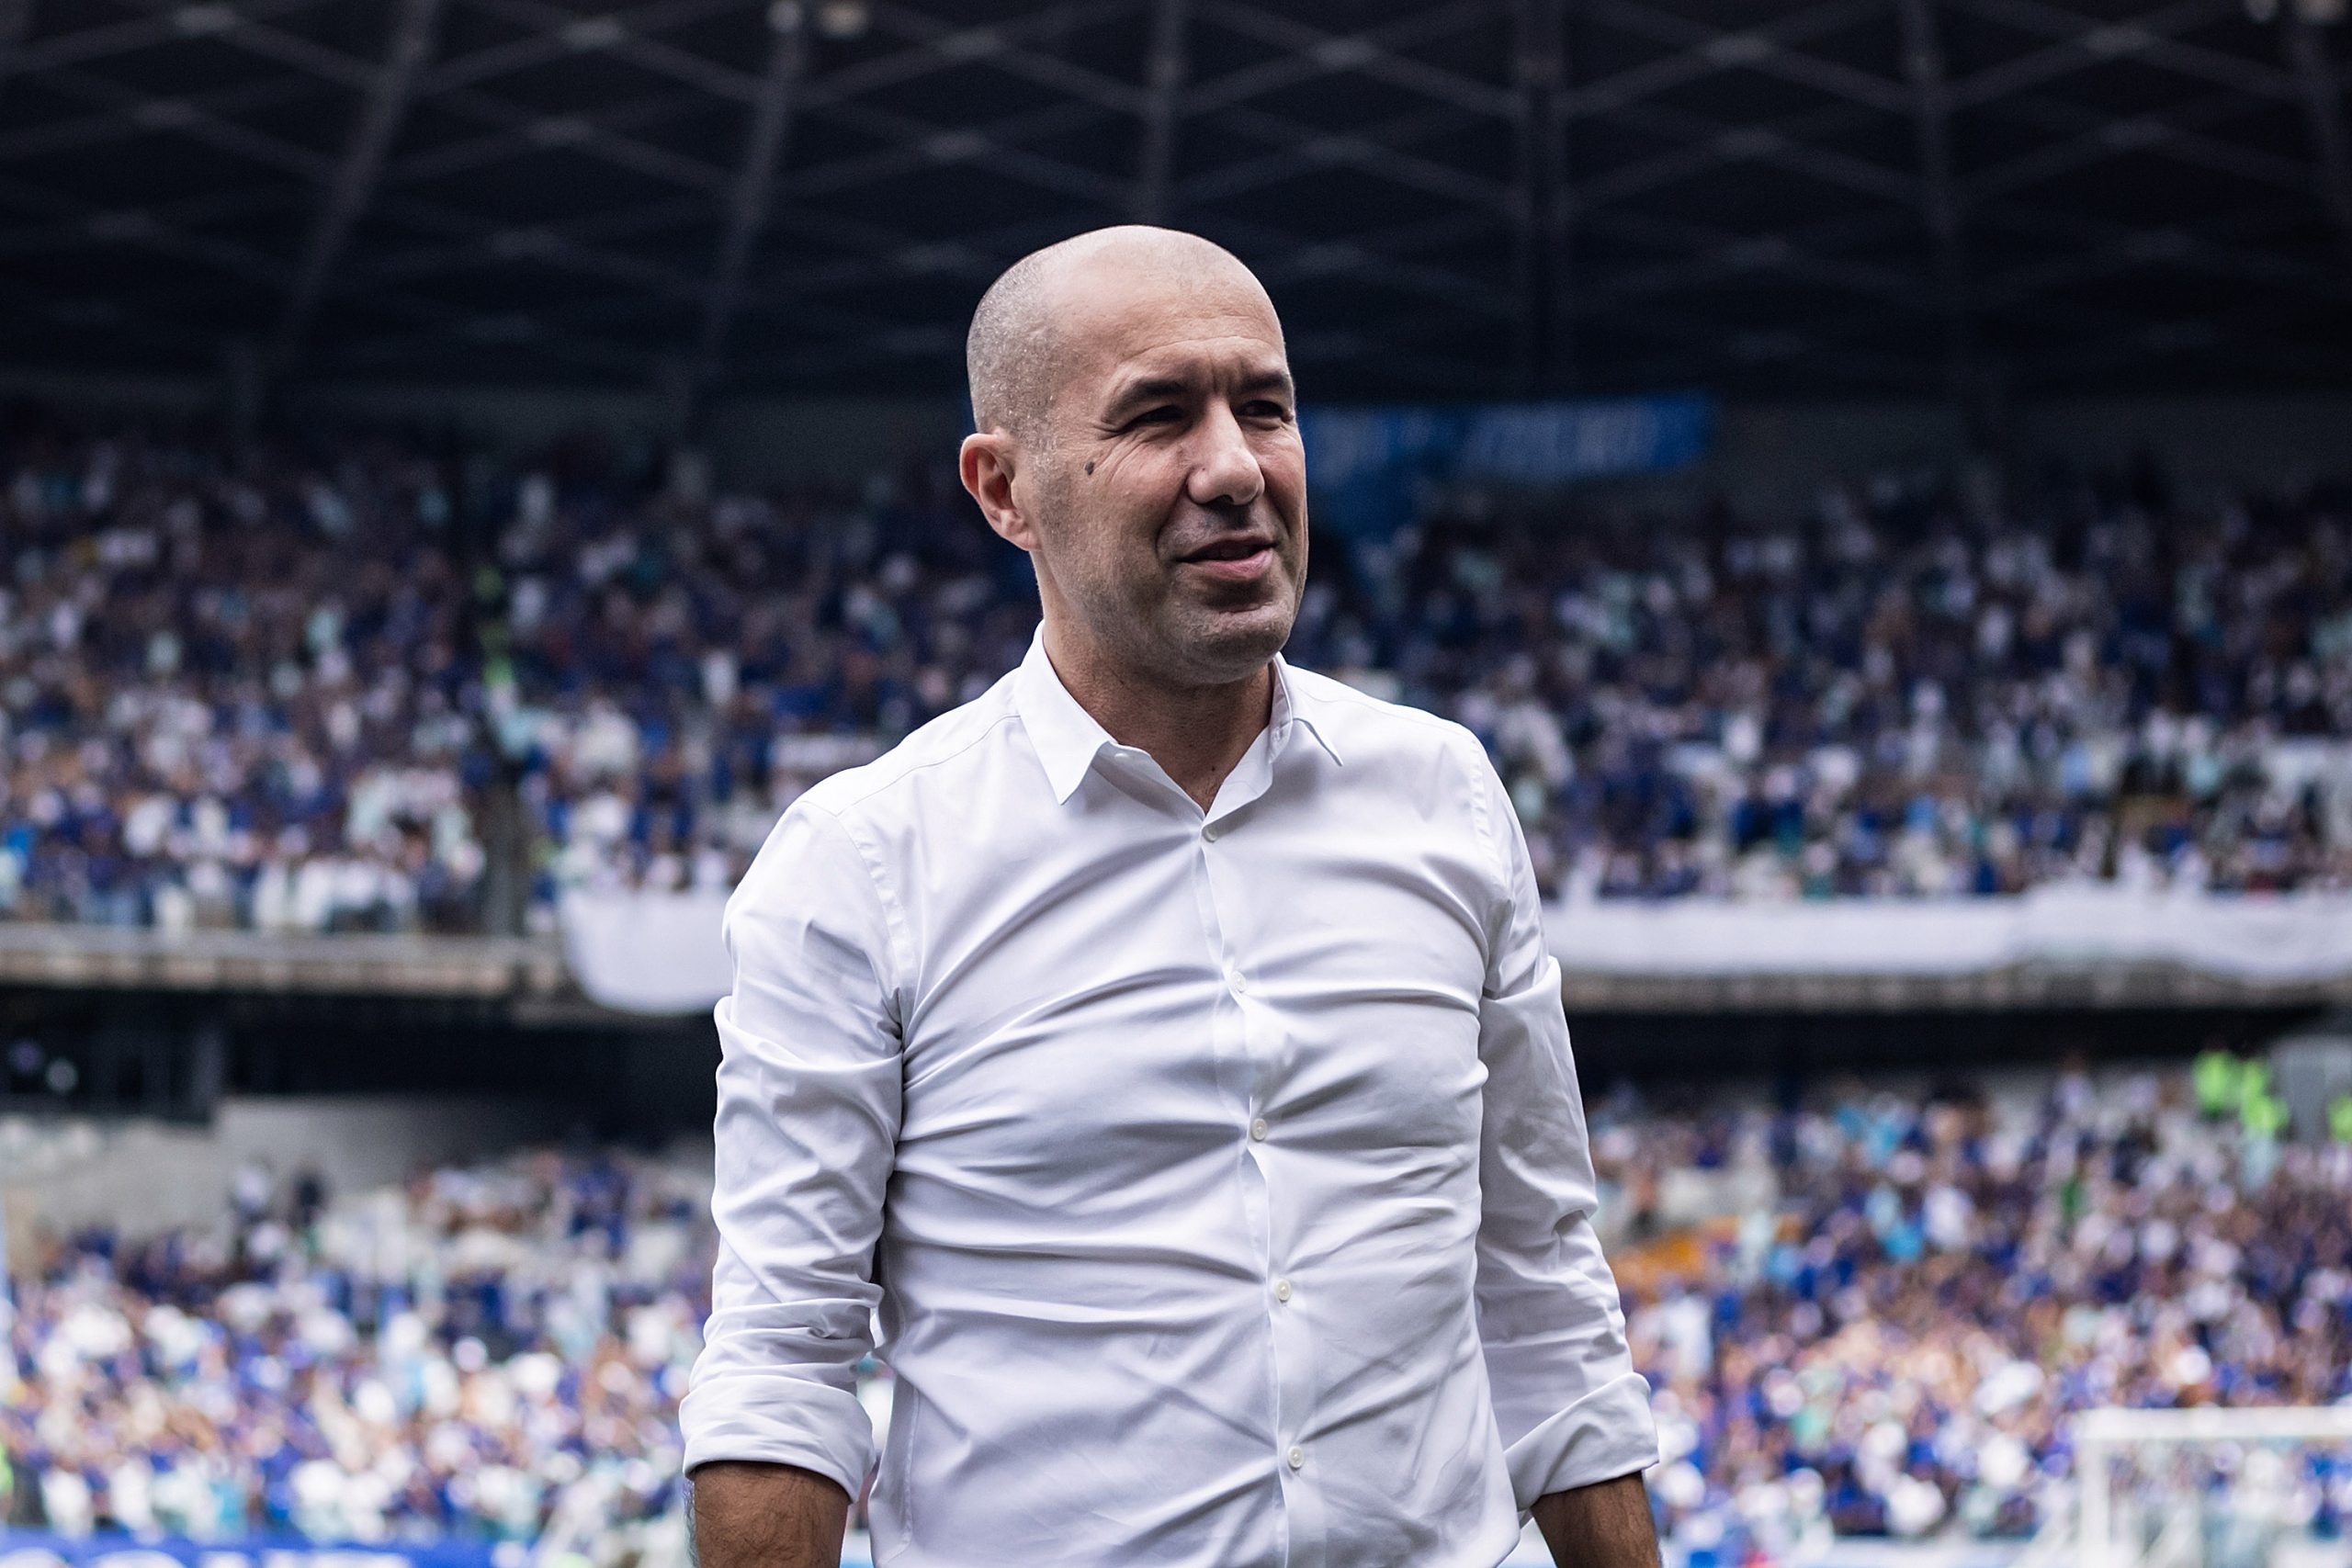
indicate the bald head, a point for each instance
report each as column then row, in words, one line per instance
column 1136, row 434
column 1019, row 350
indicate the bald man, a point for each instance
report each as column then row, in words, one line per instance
column 1163, row 1046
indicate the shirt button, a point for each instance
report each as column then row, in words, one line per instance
column 1282, row 1289
column 1258, row 1130
column 1213, row 831
column 1297, row 1458
column 1238, row 981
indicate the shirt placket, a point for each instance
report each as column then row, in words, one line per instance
column 1251, row 1044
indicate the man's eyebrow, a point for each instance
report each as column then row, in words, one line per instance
column 1145, row 388
column 1274, row 378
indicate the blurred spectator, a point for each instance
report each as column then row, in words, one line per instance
column 1884, row 1331
column 490, row 1353
column 330, row 688
column 1891, row 1339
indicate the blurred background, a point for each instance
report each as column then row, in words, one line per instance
column 1877, row 474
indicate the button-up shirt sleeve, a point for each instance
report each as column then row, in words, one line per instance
column 808, row 1108
column 1572, row 1409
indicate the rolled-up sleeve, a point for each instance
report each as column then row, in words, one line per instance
column 807, row 1119
column 1571, row 1408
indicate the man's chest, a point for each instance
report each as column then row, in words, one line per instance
column 1137, row 997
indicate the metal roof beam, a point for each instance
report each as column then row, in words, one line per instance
column 1726, row 252
column 520, row 132
column 156, row 230
column 1715, row 53
column 90, row 45
column 192, row 118
column 1370, row 155
column 943, row 144
column 2084, row 42
column 906, row 156
column 1923, row 63
column 1366, row 53
column 2323, row 98
column 943, row 48
column 1698, row 261
column 1164, row 71
column 329, row 65
column 355, row 178
column 560, row 33
column 164, row 319
column 2091, row 138
column 1389, row 348
column 1380, row 256
column 1304, row 155
column 1715, row 143
column 2126, row 248
column 754, row 195
column 2250, row 334
column 466, row 240
column 1710, row 147
column 1752, row 51
column 200, row 122
column 1328, row 54
column 15, row 21
column 1820, row 343
column 1538, row 56
column 999, row 48
column 58, row 233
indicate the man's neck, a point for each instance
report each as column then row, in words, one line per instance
column 1197, row 733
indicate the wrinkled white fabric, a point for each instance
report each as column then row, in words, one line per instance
column 1220, row 1178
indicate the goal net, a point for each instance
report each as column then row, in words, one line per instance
column 2211, row 1488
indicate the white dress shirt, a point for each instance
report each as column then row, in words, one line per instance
column 1220, row 1178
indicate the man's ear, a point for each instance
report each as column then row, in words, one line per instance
column 986, row 464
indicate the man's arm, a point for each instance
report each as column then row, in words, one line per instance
column 1606, row 1525
column 807, row 1126
column 764, row 1515
column 1572, row 1411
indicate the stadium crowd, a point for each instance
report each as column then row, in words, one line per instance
column 1892, row 1342
column 491, row 1353
column 360, row 685
column 1883, row 1335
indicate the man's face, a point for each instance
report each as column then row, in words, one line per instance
column 1166, row 487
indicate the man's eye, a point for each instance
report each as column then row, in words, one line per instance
column 1263, row 408
column 1166, row 413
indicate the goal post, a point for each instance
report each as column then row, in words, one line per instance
column 2121, row 1532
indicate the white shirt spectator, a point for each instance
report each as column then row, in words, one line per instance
column 1160, row 1139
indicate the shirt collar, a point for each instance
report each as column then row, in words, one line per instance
column 1068, row 738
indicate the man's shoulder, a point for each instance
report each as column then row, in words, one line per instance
column 1359, row 724
column 927, row 758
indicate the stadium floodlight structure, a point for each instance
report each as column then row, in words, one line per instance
column 2121, row 1532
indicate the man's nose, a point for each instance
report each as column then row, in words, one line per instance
column 1224, row 470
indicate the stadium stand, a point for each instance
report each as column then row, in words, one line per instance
column 344, row 687
column 1877, row 1322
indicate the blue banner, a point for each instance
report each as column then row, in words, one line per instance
column 40, row 1549
column 1368, row 462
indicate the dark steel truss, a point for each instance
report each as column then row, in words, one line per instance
column 1977, row 197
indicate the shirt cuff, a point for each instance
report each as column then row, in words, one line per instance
column 1608, row 1433
column 771, row 1420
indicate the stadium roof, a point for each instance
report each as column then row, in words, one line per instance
column 1485, row 196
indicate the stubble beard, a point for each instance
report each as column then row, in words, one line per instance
column 1206, row 645
column 1169, row 633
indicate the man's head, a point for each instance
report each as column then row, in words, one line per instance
column 1136, row 433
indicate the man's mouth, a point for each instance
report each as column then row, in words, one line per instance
column 1235, row 560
